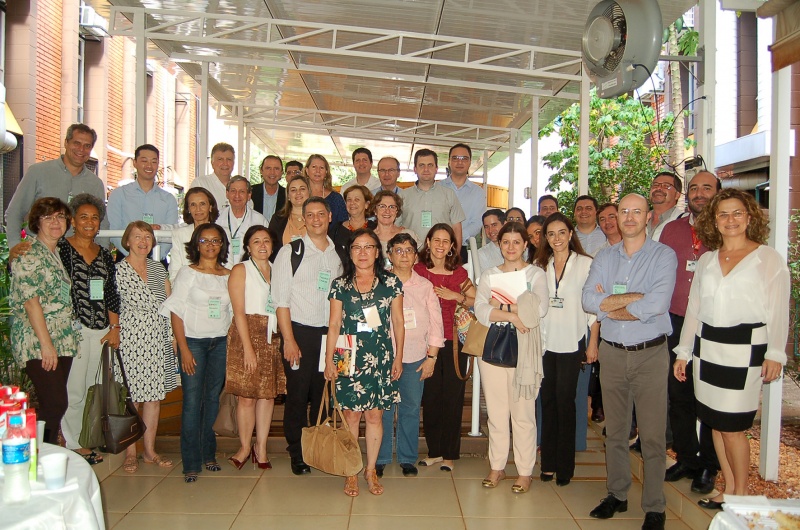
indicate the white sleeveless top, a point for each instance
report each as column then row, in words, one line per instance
column 256, row 297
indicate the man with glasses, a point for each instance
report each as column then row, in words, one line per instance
column 362, row 163
column 238, row 217
column 664, row 194
column 696, row 457
column 64, row 178
column 269, row 196
column 629, row 289
column 293, row 169
column 388, row 173
column 471, row 196
column 589, row 233
column 300, row 294
column 426, row 203
column 489, row 254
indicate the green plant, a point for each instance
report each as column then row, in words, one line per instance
column 10, row 372
column 794, row 272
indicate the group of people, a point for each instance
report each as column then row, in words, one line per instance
column 271, row 290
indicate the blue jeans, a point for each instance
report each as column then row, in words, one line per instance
column 407, row 418
column 201, row 402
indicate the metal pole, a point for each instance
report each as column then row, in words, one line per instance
column 534, row 194
column 140, row 121
column 240, row 140
column 202, row 153
column 704, row 130
column 246, row 172
column 583, row 142
column 512, row 149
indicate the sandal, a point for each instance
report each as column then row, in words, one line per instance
column 351, row 486
column 428, row 462
column 158, row 460
column 131, row 464
column 190, row 477
column 374, row 487
column 213, row 466
column 92, row 458
column 493, row 483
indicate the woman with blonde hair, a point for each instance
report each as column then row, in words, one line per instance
column 319, row 174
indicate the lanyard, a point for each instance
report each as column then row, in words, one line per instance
column 259, row 271
column 695, row 241
column 564, row 271
column 230, row 228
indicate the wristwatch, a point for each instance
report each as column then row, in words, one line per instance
column 434, row 357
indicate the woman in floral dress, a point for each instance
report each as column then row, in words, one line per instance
column 366, row 302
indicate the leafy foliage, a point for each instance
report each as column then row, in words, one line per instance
column 622, row 158
column 794, row 272
column 10, row 372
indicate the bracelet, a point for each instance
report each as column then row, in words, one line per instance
column 434, row 357
column 115, row 326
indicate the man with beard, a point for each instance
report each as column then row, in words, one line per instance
column 664, row 193
column 696, row 456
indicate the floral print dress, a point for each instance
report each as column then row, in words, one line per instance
column 371, row 386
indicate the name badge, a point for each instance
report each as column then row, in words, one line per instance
column 69, row 197
column 324, row 280
column 691, row 265
column 427, row 219
column 147, row 218
column 63, row 292
column 558, row 303
column 96, row 289
column 619, row 288
column 215, row 307
column 409, row 319
column 270, row 306
column 236, row 246
column 372, row 316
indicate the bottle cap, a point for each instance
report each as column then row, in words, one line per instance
column 15, row 421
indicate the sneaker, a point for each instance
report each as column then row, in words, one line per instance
column 409, row 470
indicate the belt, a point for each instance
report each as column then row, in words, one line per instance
column 641, row 346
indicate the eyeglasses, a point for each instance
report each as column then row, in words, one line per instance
column 661, row 185
column 391, row 170
column 409, row 251
column 390, row 207
column 362, row 248
column 460, row 158
column 293, row 172
column 216, row 241
column 50, row 218
column 514, row 219
column 736, row 214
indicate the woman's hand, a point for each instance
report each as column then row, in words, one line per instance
column 591, row 353
column 112, row 337
column 250, row 362
column 187, row 362
column 426, row 368
column 514, row 319
column 770, row 370
column 446, row 294
column 49, row 358
column 397, row 369
column 679, row 370
column 330, row 371
column 20, row 249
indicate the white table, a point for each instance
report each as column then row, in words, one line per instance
column 736, row 506
column 77, row 506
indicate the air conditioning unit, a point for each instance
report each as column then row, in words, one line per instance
column 92, row 25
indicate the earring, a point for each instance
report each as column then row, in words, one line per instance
column 450, row 254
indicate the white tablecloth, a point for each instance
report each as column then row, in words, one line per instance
column 77, row 506
column 739, row 512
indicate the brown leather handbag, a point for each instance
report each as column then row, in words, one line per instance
column 119, row 430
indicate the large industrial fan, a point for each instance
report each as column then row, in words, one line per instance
column 618, row 35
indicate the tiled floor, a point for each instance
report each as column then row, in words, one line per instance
column 156, row 498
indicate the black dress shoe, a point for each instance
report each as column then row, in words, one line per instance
column 379, row 469
column 608, row 507
column 409, row 470
column 677, row 472
column 637, row 446
column 708, row 504
column 654, row 521
column 598, row 416
column 300, row 468
column 562, row 482
column 704, row 481
column 546, row 477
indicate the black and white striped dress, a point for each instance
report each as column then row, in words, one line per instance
column 733, row 323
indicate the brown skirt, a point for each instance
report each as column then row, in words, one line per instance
column 268, row 380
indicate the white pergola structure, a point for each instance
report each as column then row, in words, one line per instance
column 396, row 76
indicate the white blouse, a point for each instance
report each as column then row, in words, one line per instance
column 564, row 327
column 755, row 290
column 177, row 254
column 537, row 284
column 202, row 302
column 257, row 297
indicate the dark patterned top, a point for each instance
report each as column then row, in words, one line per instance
column 92, row 313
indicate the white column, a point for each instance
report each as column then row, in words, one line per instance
column 704, row 127
column 780, row 150
column 246, row 160
column 512, row 176
column 583, row 142
column 140, row 104
column 202, row 150
column 240, row 142
column 534, row 194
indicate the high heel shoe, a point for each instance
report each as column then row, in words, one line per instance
column 261, row 465
column 235, row 463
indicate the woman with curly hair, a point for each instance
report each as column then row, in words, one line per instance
column 735, row 330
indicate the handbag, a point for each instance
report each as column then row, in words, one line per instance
column 463, row 316
column 476, row 338
column 122, row 429
column 225, row 424
column 91, row 435
column 500, row 348
column 329, row 447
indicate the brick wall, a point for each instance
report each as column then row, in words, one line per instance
column 114, row 60
column 49, row 136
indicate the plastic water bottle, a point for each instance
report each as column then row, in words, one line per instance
column 16, row 462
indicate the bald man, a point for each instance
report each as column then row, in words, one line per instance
column 629, row 288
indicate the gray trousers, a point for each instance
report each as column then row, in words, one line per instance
column 628, row 378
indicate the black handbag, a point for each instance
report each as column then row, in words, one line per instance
column 500, row 348
column 119, row 430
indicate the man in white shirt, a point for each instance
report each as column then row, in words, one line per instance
column 471, row 196
column 388, row 173
column 590, row 235
column 301, row 279
column 362, row 163
column 664, row 194
column 489, row 254
column 238, row 217
column 223, row 158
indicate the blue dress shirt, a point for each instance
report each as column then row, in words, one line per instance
column 473, row 201
column 130, row 203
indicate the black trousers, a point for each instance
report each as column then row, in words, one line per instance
column 51, row 389
column 693, row 452
column 443, row 403
column 561, row 371
column 303, row 386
